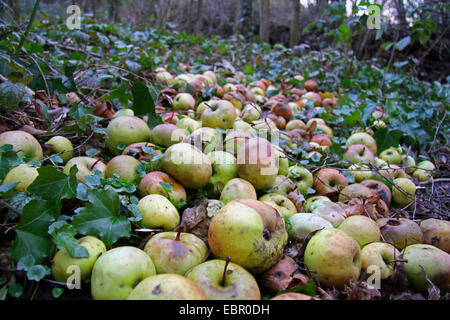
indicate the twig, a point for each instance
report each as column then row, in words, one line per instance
column 437, row 130
column 7, row 205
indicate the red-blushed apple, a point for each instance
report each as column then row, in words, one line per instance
column 167, row 134
column 183, row 101
column 23, row 143
column 117, row 272
column 224, row 280
column 125, row 131
column 361, row 228
column 328, row 182
column 251, row 232
column 167, row 287
column 151, row 184
column 85, row 166
column 356, row 153
column 381, row 255
column 400, row 232
column 61, row 144
column 311, row 85
column 124, row 166
column 63, row 260
column 281, row 203
column 176, row 252
column 363, row 138
column 334, row 256
column 256, row 163
column 437, row 233
column 158, row 212
column 24, row 174
column 293, row 296
column 237, row 188
column 188, row 165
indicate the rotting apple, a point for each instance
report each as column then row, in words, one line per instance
column 400, row 232
column 437, row 233
column 153, row 183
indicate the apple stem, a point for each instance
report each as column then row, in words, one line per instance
column 225, row 271
column 178, row 235
column 93, row 165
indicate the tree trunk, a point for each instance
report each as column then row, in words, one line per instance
column 14, row 4
column 401, row 14
column 237, row 17
column 199, row 23
column 190, row 16
column 113, row 10
column 163, row 13
column 295, row 25
column 94, row 9
column 247, row 14
column 264, row 20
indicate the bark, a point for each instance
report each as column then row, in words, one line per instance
column 14, row 5
column 295, row 25
column 237, row 17
column 190, row 16
column 164, row 7
column 247, row 15
column 401, row 13
column 199, row 22
column 264, row 20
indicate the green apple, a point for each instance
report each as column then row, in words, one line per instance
column 424, row 171
column 250, row 232
column 356, row 153
column 222, row 280
column 220, row 114
column 63, row 260
column 205, row 139
column 125, row 131
column 426, row 259
column 363, row 138
column 437, row 233
column 183, row 101
column 23, row 143
column 167, row 287
column 251, row 112
column 313, row 202
column 61, row 144
column 379, row 254
column 410, row 162
column 124, row 166
column 295, row 124
column 176, row 252
column 283, row 185
column 282, row 162
column 360, row 171
column 256, row 163
column 167, row 134
column 302, row 178
column 404, row 198
column 224, row 169
column 241, row 125
column 85, row 166
column 124, row 112
column 400, row 232
column 355, row 190
column 188, row 165
column 154, row 183
column 188, row 124
column 117, row 272
column 280, row 203
column 330, row 211
column 391, row 155
column 304, row 223
column 335, row 256
column 164, row 77
column 24, row 174
column 237, row 188
column 361, row 228
column 158, row 212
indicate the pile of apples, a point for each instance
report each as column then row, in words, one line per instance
column 230, row 147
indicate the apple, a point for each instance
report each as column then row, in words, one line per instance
column 235, row 139
column 356, row 153
column 176, row 252
column 125, row 131
column 221, row 114
column 311, row 85
column 437, row 233
column 328, row 182
column 380, row 188
column 124, row 166
column 404, row 196
column 313, row 97
column 424, row 171
column 256, row 163
column 251, row 232
column 167, row 287
column 205, row 139
column 85, row 166
column 281, row 203
column 302, row 178
column 265, row 126
column 237, row 188
column 188, row 165
column 63, row 260
column 283, row 185
column 295, row 124
column 322, row 139
column 293, row 296
column 224, row 169
column 62, row 146
column 379, row 254
column 355, row 190
column 316, row 120
column 211, row 75
column 283, row 110
column 151, row 184
column 363, row 138
column 361, row 172
column 188, row 124
column 400, row 232
column 313, row 202
column 124, row 112
column 282, row 161
column 164, row 77
column 251, row 112
column 391, row 171
column 426, row 259
column 183, row 101
column 304, row 223
column 330, row 211
column 118, row 271
column 158, row 212
column 335, row 256
column 241, row 125
column 136, row 151
column 324, row 129
column 235, row 98
column 224, row 280
column 391, row 156
column 410, row 162
column 167, row 134
column 24, row 174
column 361, row 228
column 23, row 143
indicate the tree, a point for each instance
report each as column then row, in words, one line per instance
column 295, row 25
column 237, row 16
column 264, row 20
column 199, row 22
column 163, row 12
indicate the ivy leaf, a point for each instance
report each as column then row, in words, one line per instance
column 25, row 263
column 101, row 218
column 386, row 138
column 32, row 237
column 38, row 272
column 309, row 289
column 142, row 100
column 64, row 237
column 403, row 43
column 7, row 187
column 57, row 292
column 15, row 290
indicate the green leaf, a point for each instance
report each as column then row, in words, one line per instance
column 15, row 290
column 101, row 218
column 403, row 43
column 386, row 138
column 57, row 292
column 25, row 263
column 309, row 289
column 142, row 100
column 64, row 237
column 4, row 189
column 38, row 272
column 32, row 237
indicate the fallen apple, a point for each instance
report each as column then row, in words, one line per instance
column 158, row 212
column 23, row 143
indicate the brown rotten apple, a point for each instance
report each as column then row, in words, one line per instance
column 152, row 183
column 250, row 232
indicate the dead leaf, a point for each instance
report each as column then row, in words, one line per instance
column 297, row 198
column 104, row 109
